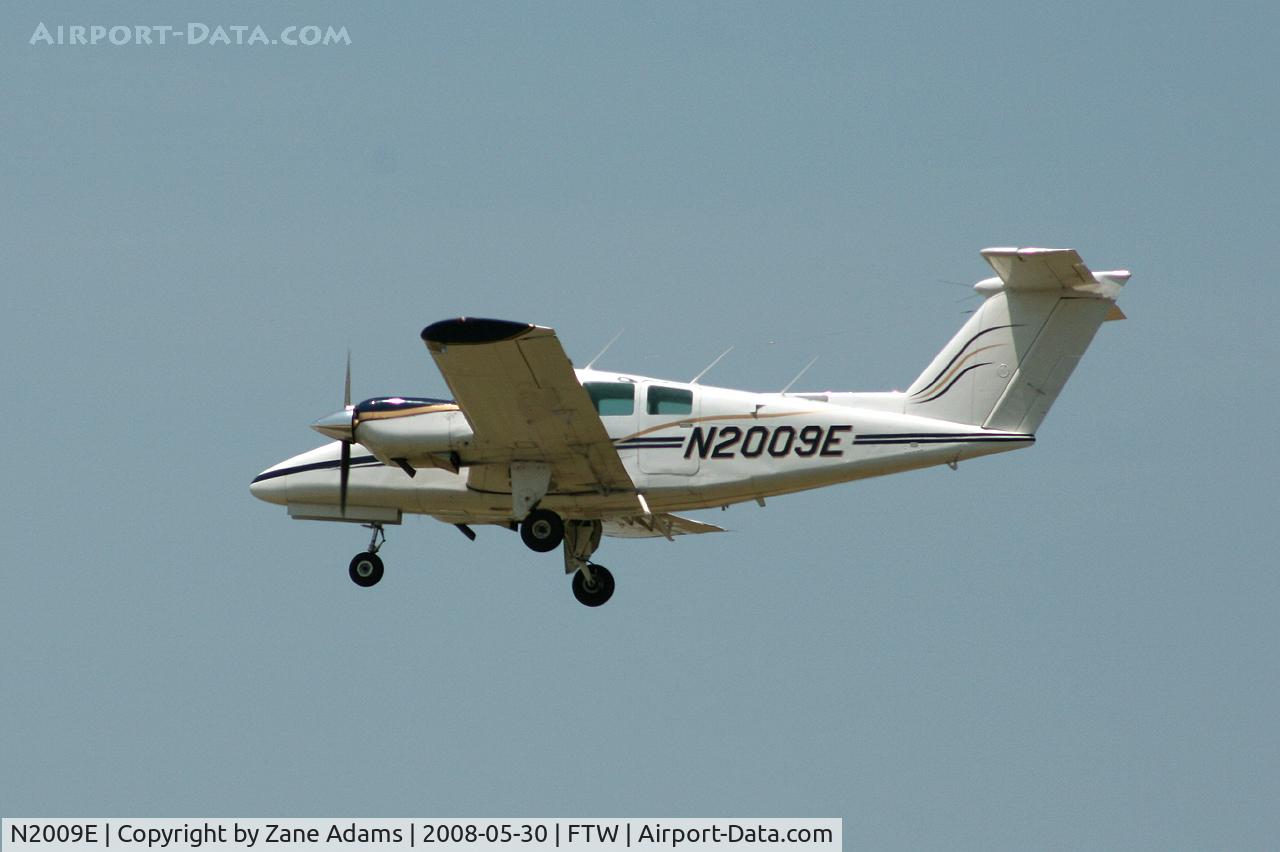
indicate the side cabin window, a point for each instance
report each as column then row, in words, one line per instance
column 663, row 400
column 612, row 398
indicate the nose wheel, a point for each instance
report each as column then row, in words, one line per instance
column 592, row 585
column 366, row 568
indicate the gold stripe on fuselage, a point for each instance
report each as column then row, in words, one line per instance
column 408, row 412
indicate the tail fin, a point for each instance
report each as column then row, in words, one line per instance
column 1008, row 363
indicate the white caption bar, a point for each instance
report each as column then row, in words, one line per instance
column 311, row 835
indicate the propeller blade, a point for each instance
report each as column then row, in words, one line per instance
column 344, row 467
column 344, row 474
column 346, row 388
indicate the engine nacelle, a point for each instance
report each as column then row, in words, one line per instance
column 421, row 432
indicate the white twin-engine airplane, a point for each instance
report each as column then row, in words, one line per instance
column 567, row 455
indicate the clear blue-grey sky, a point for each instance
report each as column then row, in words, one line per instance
column 1072, row 646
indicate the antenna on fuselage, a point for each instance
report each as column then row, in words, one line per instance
column 694, row 380
column 799, row 374
column 604, row 350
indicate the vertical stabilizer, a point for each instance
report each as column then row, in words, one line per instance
column 1009, row 362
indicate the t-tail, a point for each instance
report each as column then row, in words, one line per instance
column 1009, row 362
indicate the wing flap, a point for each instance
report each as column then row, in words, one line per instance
column 662, row 525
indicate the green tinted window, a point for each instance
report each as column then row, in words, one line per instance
column 670, row 400
column 612, row 398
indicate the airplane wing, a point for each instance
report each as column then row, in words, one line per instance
column 656, row 526
column 518, row 391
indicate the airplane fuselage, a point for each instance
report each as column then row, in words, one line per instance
column 685, row 447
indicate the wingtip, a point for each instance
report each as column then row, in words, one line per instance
column 473, row 330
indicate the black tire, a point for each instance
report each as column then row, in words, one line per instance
column 366, row 569
column 600, row 590
column 542, row 531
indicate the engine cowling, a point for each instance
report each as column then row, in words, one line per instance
column 422, row 432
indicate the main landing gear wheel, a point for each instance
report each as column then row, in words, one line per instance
column 366, row 569
column 595, row 591
column 542, row 531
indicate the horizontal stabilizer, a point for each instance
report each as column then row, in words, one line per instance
column 656, row 526
column 1028, row 269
